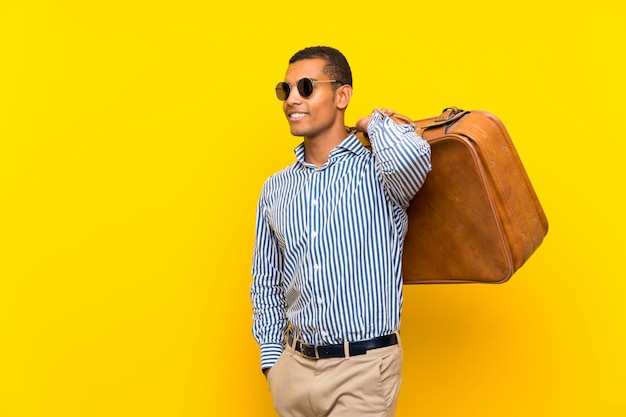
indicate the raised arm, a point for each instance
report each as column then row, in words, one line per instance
column 402, row 156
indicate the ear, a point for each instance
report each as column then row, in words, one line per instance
column 343, row 94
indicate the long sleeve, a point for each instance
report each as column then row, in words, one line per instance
column 268, row 301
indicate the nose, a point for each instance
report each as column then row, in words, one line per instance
column 294, row 95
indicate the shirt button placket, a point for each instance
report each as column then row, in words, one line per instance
column 315, row 246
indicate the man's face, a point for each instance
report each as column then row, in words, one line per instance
column 316, row 114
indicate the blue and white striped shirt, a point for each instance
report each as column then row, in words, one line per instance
column 328, row 248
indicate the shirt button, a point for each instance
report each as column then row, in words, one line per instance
column 314, row 234
column 324, row 333
column 320, row 301
column 316, row 267
column 314, row 202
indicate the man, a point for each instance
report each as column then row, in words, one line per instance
column 327, row 282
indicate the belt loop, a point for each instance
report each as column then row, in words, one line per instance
column 317, row 352
column 291, row 343
column 397, row 332
column 346, row 349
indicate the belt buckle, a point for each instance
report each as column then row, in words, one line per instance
column 303, row 350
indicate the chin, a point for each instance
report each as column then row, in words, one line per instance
column 297, row 132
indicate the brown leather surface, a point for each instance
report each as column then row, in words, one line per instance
column 477, row 217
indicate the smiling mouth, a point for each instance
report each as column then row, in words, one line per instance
column 297, row 116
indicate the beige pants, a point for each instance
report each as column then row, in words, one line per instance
column 363, row 385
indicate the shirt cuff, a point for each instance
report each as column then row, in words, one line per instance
column 383, row 130
column 270, row 354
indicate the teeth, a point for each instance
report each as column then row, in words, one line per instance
column 297, row 115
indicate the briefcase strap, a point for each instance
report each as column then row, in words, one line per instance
column 448, row 116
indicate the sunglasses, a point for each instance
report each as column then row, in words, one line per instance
column 305, row 87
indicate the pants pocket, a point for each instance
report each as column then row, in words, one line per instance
column 390, row 369
column 275, row 369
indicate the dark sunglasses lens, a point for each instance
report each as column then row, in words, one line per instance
column 282, row 91
column 305, row 87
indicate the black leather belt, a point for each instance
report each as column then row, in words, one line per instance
column 338, row 350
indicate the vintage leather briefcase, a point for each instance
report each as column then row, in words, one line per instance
column 477, row 217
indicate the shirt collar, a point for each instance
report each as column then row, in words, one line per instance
column 350, row 145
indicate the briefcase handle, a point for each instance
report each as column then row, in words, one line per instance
column 448, row 117
column 450, row 113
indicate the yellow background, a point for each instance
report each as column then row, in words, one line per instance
column 135, row 137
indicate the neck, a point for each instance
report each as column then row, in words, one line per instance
column 317, row 150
